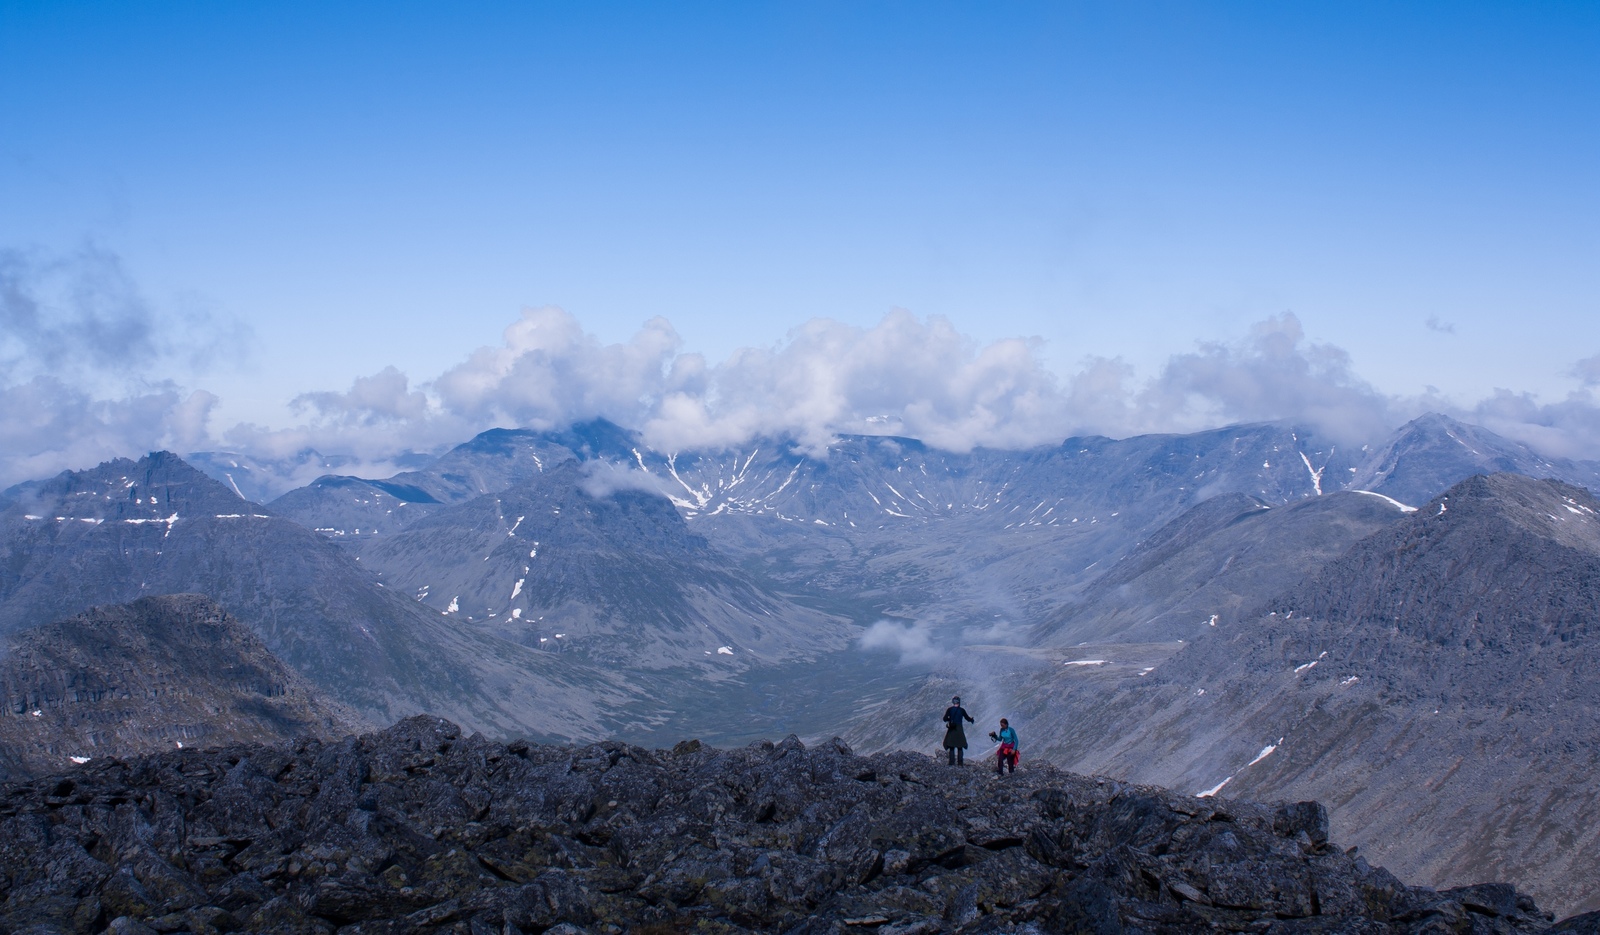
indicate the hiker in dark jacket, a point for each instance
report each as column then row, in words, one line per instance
column 955, row 736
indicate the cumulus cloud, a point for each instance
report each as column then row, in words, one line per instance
column 548, row 372
column 1569, row 428
column 84, row 362
column 47, row 426
column 1274, row 373
column 374, row 429
column 903, row 376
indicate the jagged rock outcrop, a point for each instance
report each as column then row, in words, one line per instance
column 418, row 829
column 157, row 674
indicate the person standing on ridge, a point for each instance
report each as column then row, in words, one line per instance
column 1006, row 737
column 955, row 736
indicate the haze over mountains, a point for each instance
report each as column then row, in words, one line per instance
column 577, row 583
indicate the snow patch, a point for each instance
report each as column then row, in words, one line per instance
column 80, row 760
column 1213, row 790
column 1265, row 752
column 1085, row 662
column 724, row 650
column 1316, row 473
column 1389, row 500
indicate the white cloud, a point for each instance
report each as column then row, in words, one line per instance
column 902, row 376
column 601, row 479
column 913, row 641
column 1272, row 374
column 78, row 346
column 548, row 373
column 84, row 361
column 47, row 426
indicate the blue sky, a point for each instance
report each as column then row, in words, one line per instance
column 355, row 186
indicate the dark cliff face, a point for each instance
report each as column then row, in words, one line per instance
column 1438, row 686
column 419, row 830
column 158, row 674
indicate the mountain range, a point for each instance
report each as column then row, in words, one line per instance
column 578, row 583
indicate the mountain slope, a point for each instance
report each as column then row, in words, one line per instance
column 1438, row 685
column 1213, row 564
column 145, row 677
column 614, row 576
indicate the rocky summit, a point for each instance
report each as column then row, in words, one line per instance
column 419, row 829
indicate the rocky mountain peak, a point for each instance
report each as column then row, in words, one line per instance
column 154, row 488
column 1543, row 508
column 1495, row 557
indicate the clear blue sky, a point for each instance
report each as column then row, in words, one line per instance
column 389, row 183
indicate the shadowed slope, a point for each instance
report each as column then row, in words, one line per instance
column 145, row 677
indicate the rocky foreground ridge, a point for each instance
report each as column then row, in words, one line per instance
column 419, row 829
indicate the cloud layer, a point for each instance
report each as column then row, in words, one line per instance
column 81, row 353
column 84, row 362
column 903, row 376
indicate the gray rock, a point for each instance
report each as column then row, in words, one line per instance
column 419, row 829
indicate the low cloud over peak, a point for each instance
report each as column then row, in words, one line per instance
column 904, row 375
column 87, row 365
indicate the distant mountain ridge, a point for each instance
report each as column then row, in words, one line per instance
column 876, row 520
column 130, row 529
